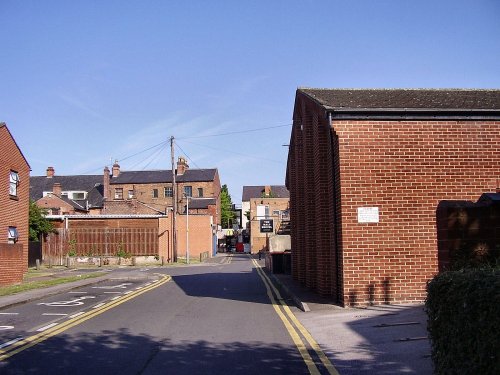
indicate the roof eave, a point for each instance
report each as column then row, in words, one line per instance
column 413, row 113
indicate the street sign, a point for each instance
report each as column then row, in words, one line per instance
column 266, row 226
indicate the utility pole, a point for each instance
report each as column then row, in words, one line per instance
column 174, row 199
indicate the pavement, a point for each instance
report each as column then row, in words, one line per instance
column 383, row 339
column 387, row 339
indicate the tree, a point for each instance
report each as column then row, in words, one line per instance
column 38, row 223
column 227, row 213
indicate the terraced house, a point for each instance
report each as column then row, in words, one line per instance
column 118, row 192
column 367, row 171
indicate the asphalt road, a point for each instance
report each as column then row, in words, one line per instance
column 204, row 319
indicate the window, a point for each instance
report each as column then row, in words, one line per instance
column 79, row 195
column 276, row 213
column 169, row 192
column 188, row 191
column 13, row 235
column 13, row 183
column 130, row 194
column 262, row 211
column 118, row 193
column 200, row 192
column 155, row 193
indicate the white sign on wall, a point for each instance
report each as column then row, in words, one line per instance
column 368, row 215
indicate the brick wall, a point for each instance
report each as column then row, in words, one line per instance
column 405, row 168
column 12, row 265
column 469, row 231
column 13, row 209
column 144, row 193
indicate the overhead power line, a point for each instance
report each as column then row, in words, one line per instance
column 235, row 132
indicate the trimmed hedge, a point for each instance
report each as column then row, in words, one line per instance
column 463, row 309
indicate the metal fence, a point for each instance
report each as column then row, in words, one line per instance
column 100, row 242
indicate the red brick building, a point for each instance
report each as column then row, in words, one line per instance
column 366, row 172
column 14, row 209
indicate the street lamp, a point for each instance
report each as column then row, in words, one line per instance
column 187, row 228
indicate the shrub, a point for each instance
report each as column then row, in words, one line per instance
column 463, row 309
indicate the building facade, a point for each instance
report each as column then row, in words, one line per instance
column 266, row 205
column 14, row 209
column 367, row 170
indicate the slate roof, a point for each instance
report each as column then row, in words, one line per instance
column 249, row 192
column 398, row 99
column 163, row 176
column 201, row 203
column 39, row 184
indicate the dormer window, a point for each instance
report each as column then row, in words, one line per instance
column 12, row 235
column 13, row 183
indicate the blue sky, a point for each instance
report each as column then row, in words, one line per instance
column 84, row 82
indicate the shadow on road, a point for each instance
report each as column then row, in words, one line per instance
column 121, row 352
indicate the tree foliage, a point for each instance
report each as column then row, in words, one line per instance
column 38, row 223
column 227, row 213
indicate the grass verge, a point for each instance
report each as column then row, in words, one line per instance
column 29, row 285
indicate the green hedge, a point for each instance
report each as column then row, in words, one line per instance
column 463, row 309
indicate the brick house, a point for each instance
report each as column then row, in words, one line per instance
column 264, row 203
column 14, row 209
column 367, row 170
column 119, row 192
column 154, row 190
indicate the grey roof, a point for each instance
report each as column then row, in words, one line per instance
column 249, row 192
column 39, row 184
column 163, row 176
column 423, row 99
column 201, row 203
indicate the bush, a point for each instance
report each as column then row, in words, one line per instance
column 463, row 309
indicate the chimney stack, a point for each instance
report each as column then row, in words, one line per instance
column 56, row 189
column 116, row 169
column 106, row 183
column 182, row 166
column 50, row 172
column 267, row 190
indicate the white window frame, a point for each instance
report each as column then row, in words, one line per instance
column 117, row 196
column 13, row 183
column 12, row 235
column 170, row 189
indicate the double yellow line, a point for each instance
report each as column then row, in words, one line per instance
column 28, row 342
column 295, row 328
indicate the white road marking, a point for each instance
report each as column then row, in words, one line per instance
column 113, row 292
column 5, row 328
column 121, row 286
column 128, row 292
column 46, row 327
column 74, row 302
column 10, row 342
column 78, row 292
column 77, row 314
column 9, row 313
column 112, row 299
column 54, row 314
column 98, row 305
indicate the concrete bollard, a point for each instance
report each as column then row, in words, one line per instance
column 37, row 264
column 162, row 260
